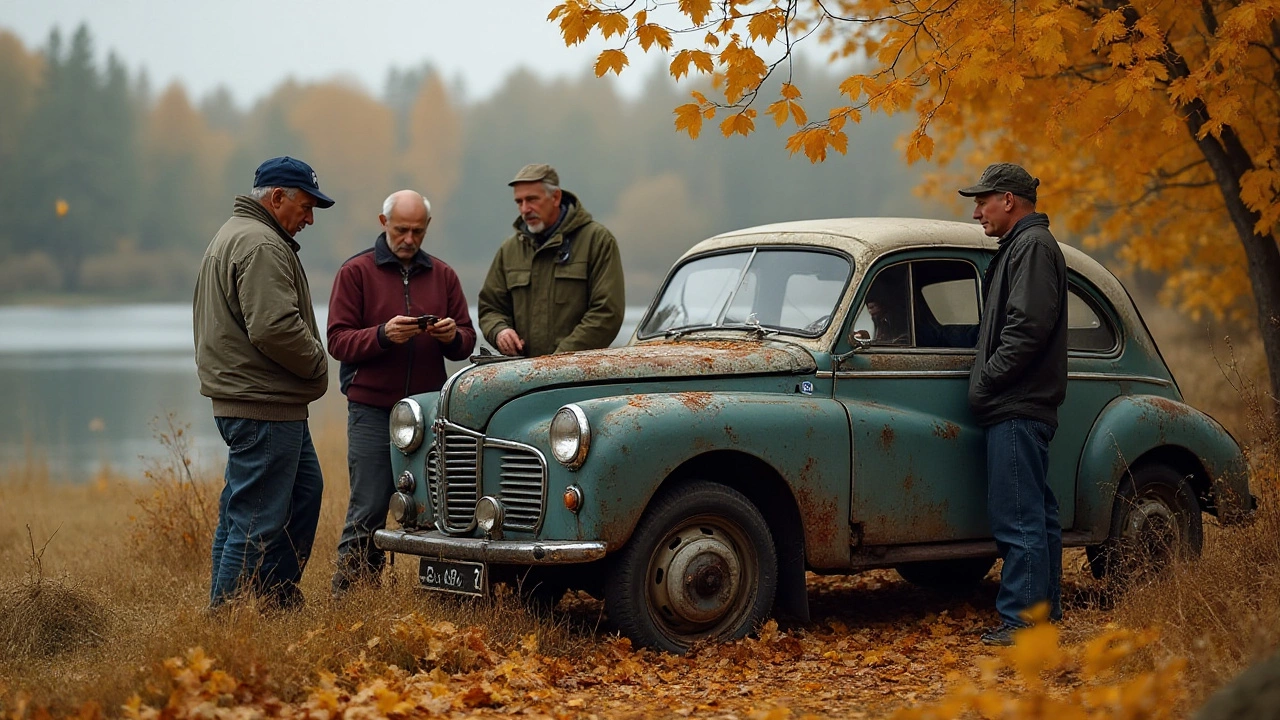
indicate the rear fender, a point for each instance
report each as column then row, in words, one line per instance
column 1138, row 427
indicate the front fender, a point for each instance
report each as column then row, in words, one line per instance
column 639, row 441
column 1133, row 426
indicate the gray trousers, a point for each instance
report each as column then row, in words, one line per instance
column 369, row 467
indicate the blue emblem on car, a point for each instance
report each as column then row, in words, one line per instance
column 806, row 387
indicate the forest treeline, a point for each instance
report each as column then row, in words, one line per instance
column 111, row 189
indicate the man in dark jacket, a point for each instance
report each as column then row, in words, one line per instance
column 260, row 359
column 1019, row 379
column 556, row 285
column 395, row 314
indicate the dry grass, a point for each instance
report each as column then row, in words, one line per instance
column 122, row 584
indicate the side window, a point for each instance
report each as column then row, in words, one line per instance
column 1087, row 327
column 885, row 316
column 946, row 303
column 923, row 303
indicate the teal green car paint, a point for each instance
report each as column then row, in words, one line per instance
column 759, row 425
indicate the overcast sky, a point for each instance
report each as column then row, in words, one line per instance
column 251, row 46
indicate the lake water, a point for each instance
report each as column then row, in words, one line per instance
column 83, row 387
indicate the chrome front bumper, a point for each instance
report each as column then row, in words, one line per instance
column 431, row 543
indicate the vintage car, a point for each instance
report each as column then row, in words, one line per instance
column 793, row 400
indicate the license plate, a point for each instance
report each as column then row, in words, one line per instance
column 468, row 578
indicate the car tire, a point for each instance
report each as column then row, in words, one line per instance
column 959, row 574
column 1154, row 522
column 718, row 544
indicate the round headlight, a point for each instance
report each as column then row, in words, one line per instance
column 488, row 514
column 570, row 436
column 406, row 425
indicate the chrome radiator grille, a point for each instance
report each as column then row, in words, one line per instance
column 455, row 466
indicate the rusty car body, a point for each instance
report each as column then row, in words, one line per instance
column 758, row 425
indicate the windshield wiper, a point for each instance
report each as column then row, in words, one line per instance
column 676, row 333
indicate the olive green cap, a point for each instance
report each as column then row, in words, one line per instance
column 1004, row 177
column 537, row 172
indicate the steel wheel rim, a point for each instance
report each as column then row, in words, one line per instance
column 701, row 578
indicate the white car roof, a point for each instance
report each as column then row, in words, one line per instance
column 866, row 239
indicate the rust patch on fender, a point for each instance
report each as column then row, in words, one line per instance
column 1169, row 407
column 695, row 401
column 886, row 438
column 946, row 430
column 817, row 512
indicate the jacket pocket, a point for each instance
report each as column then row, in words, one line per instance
column 571, row 284
column 518, row 279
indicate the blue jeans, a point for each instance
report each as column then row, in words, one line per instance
column 268, row 510
column 1024, row 518
column 369, row 466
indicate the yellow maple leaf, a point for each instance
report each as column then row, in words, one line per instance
column 765, row 26
column 702, row 60
column 919, row 146
column 711, row 39
column 741, row 123
column 614, row 23
column 697, row 10
column 790, row 92
column 779, row 111
column 650, row 34
column 573, row 23
column 689, row 119
column 613, row 60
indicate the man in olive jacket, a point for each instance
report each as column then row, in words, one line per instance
column 556, row 285
column 261, row 361
column 1019, row 379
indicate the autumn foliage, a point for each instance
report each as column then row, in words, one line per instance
column 1153, row 125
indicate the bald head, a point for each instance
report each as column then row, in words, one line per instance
column 407, row 201
column 405, row 216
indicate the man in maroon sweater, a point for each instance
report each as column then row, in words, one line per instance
column 386, row 353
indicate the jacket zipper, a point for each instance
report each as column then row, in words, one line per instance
column 408, row 310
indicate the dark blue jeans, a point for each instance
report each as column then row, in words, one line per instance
column 369, row 466
column 268, row 511
column 1024, row 518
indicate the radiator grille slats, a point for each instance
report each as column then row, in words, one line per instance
column 454, row 471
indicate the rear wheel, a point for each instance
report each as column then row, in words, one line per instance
column 700, row 564
column 1156, row 521
column 957, row 574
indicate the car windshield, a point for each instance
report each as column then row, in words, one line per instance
column 793, row 291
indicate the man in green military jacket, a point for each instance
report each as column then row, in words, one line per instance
column 556, row 285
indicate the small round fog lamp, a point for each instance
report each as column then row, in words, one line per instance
column 489, row 515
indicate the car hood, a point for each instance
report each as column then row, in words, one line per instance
column 473, row 395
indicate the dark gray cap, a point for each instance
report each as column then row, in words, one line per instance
column 537, row 172
column 1004, row 177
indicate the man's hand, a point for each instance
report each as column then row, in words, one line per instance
column 401, row 328
column 509, row 343
column 444, row 330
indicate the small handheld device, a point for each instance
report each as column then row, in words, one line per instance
column 425, row 321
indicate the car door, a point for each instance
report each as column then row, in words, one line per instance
column 918, row 458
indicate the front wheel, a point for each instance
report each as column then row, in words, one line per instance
column 701, row 564
column 1156, row 520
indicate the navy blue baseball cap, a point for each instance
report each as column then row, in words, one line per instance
column 287, row 172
